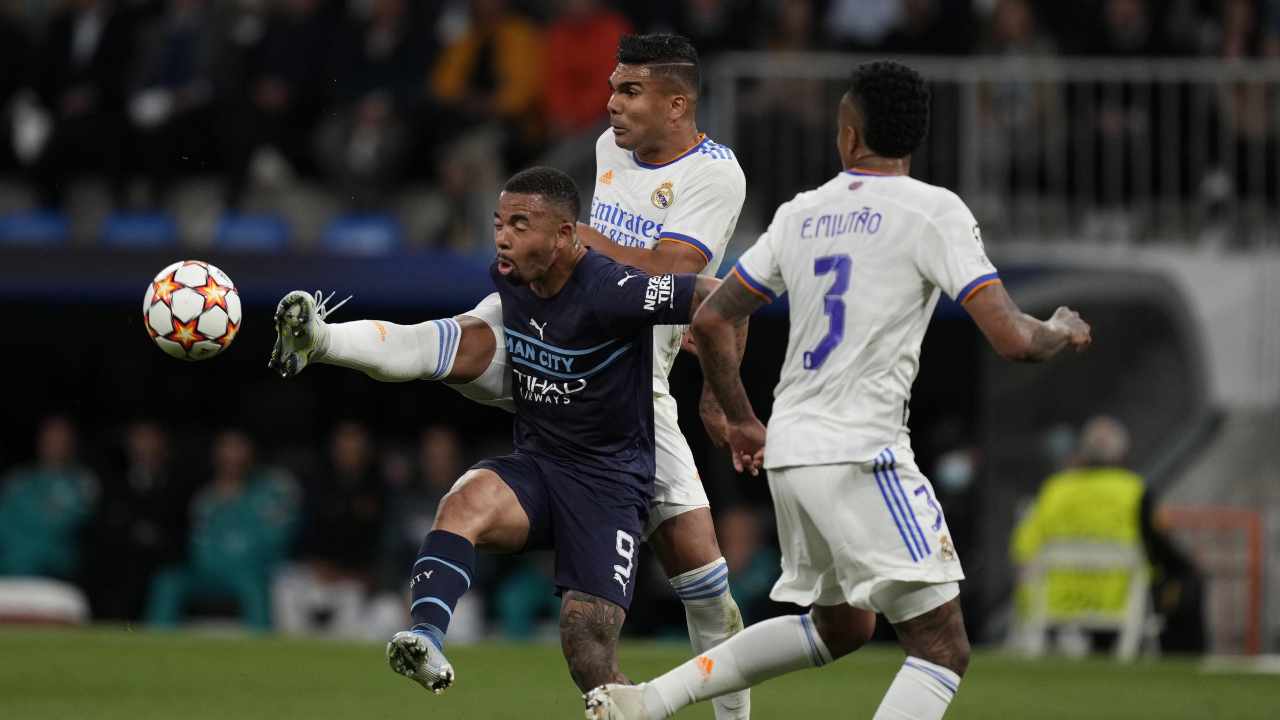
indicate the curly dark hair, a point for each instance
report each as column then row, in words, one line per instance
column 894, row 103
column 552, row 184
column 672, row 55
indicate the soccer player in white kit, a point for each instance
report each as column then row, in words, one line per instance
column 864, row 258
column 666, row 200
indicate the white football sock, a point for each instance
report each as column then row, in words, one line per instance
column 762, row 651
column 920, row 691
column 393, row 353
column 713, row 617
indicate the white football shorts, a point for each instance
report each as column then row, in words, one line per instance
column 677, row 487
column 868, row 534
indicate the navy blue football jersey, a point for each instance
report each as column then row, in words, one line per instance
column 582, row 363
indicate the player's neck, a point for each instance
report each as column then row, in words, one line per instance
column 554, row 280
column 670, row 147
column 876, row 165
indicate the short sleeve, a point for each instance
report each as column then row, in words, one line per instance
column 627, row 297
column 704, row 214
column 950, row 253
column 760, row 269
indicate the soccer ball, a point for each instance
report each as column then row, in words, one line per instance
column 192, row 310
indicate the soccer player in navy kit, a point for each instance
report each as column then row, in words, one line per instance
column 578, row 330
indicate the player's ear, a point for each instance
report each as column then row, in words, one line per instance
column 679, row 106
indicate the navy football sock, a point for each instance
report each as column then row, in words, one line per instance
column 440, row 576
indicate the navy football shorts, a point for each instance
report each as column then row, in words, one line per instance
column 592, row 519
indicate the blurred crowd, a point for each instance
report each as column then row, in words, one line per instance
column 152, row 532
column 204, row 109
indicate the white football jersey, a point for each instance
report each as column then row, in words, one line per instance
column 864, row 258
column 693, row 199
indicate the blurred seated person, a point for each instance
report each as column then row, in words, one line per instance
column 363, row 144
column 1098, row 500
column 327, row 586
column 485, row 114
column 241, row 526
column 141, row 524
column 77, row 123
column 753, row 563
column 44, row 506
column 170, row 107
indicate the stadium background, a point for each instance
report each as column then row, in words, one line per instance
column 1120, row 154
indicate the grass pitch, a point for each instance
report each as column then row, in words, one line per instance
column 122, row 675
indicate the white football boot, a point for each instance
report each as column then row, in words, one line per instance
column 411, row 654
column 616, row 702
column 300, row 330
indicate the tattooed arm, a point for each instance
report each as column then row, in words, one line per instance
column 589, row 628
column 719, row 328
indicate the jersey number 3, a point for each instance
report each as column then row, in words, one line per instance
column 832, row 305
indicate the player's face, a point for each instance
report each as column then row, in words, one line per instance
column 528, row 235
column 638, row 107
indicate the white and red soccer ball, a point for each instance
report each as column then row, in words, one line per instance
column 192, row 310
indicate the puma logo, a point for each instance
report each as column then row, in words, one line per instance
column 540, row 328
column 624, row 280
column 621, row 582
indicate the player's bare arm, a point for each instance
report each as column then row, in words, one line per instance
column 715, row 328
column 1020, row 337
column 665, row 257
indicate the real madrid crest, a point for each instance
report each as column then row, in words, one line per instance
column 664, row 197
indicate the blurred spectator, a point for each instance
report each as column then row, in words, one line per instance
column 487, row 87
column 344, row 510
column 753, row 563
column 171, row 106
column 862, row 25
column 1098, row 500
column 784, row 113
column 712, row 25
column 241, row 525
column 581, row 51
column 142, row 522
column 581, row 47
column 81, row 78
column 15, row 57
column 413, row 500
column 44, row 506
column 936, row 27
column 1128, row 29
column 363, row 144
column 1024, row 116
column 286, row 82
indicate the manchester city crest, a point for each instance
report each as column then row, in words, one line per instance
column 664, row 197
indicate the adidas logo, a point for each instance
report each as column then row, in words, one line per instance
column 607, row 178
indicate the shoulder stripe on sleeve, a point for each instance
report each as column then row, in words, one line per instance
column 687, row 240
column 978, row 283
column 751, row 283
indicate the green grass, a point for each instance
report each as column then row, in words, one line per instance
column 121, row 675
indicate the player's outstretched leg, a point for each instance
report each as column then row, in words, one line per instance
column 762, row 651
column 300, row 331
column 687, row 548
column 937, row 650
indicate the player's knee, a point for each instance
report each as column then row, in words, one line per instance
column 843, row 628
column 467, row 509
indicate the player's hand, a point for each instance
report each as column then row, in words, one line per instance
column 1079, row 334
column 713, row 418
column 746, row 445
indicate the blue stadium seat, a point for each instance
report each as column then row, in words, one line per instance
column 139, row 231
column 363, row 235
column 252, row 233
column 37, row 228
